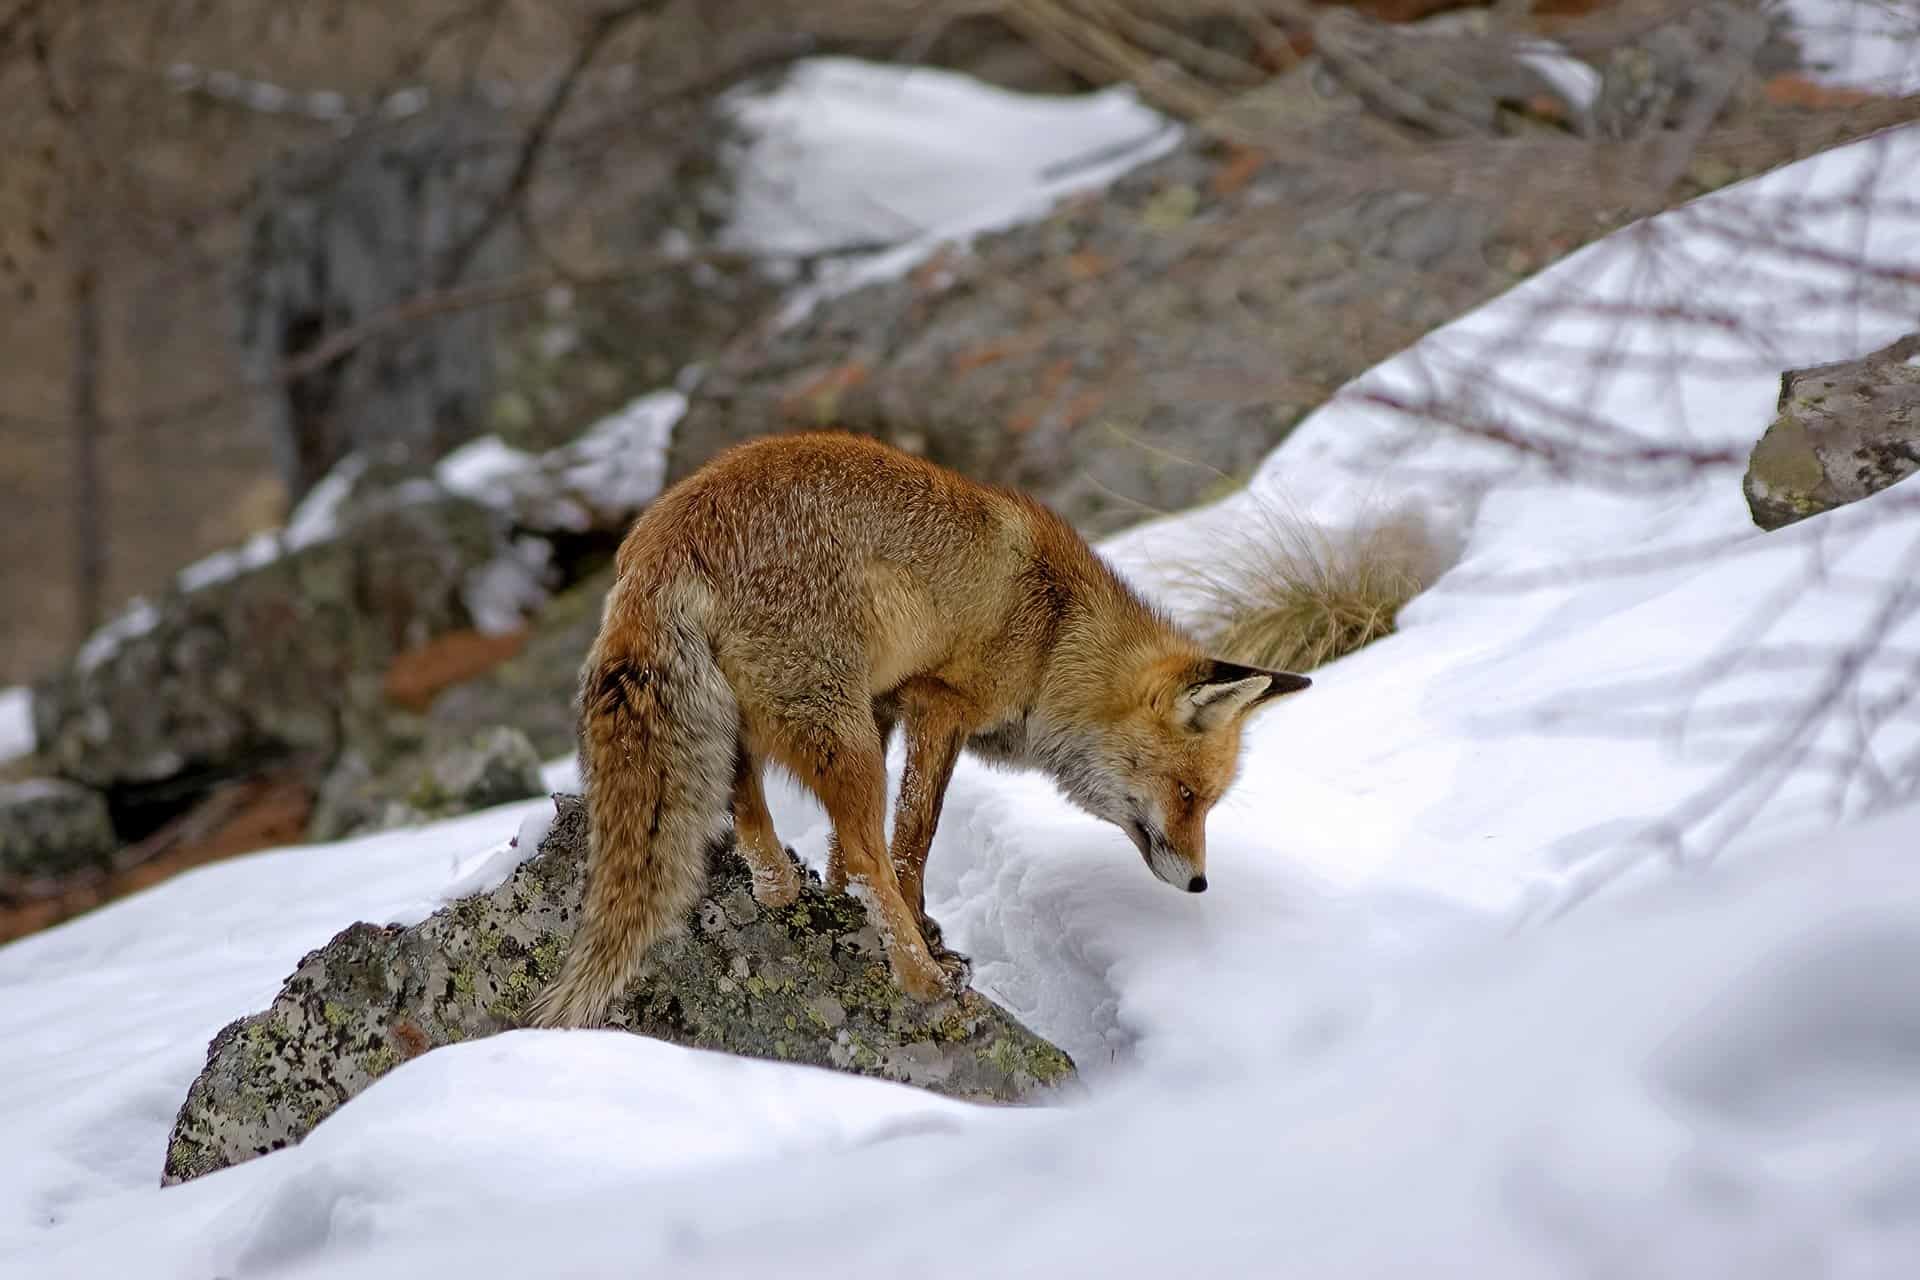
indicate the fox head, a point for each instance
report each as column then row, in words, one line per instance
column 1153, row 758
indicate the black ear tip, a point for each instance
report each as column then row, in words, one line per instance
column 1288, row 682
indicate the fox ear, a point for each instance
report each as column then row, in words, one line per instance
column 1228, row 690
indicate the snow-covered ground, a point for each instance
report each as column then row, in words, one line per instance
column 1452, row 1006
column 16, row 723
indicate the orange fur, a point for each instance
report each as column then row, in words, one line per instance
column 795, row 599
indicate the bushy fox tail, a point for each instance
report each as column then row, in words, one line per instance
column 659, row 727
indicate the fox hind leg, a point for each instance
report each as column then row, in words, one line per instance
column 776, row 881
column 846, row 770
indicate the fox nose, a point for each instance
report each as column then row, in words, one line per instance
column 1197, row 885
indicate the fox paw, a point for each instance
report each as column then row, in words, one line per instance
column 956, row 970
column 776, row 884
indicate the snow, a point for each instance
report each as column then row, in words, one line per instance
column 502, row 593
column 612, row 470
column 256, row 552
column 847, row 154
column 1575, row 80
column 600, row 480
column 479, row 468
column 1457, row 1002
column 317, row 517
column 16, row 723
column 1861, row 44
column 620, row 462
column 138, row 618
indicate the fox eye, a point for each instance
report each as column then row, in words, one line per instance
column 1186, row 793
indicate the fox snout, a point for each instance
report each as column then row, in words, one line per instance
column 1166, row 862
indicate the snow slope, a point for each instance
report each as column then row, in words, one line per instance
column 1386, row 1042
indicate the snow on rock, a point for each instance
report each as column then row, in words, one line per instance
column 600, row 480
column 481, row 469
column 501, row 593
column 847, row 153
column 318, row 515
column 491, row 868
column 16, row 723
column 316, row 518
column 137, row 619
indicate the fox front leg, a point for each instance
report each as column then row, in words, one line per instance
column 844, row 767
column 937, row 722
column 886, row 714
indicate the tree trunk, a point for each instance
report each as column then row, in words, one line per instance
column 89, row 519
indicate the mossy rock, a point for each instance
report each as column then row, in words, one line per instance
column 1843, row 432
column 807, row 983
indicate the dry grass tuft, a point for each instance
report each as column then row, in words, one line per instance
column 1289, row 595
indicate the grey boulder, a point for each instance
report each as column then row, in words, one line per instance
column 52, row 828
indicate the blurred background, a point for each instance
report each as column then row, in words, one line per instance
column 343, row 339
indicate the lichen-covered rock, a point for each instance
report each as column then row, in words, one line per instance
column 497, row 765
column 806, row 983
column 50, row 828
column 1843, row 431
column 264, row 661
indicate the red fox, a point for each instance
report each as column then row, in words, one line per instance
column 794, row 600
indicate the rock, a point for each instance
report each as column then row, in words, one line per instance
column 343, row 236
column 534, row 690
column 49, row 828
column 808, row 983
column 1843, row 431
column 1699, row 61
column 1448, row 76
column 498, row 765
column 271, row 657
